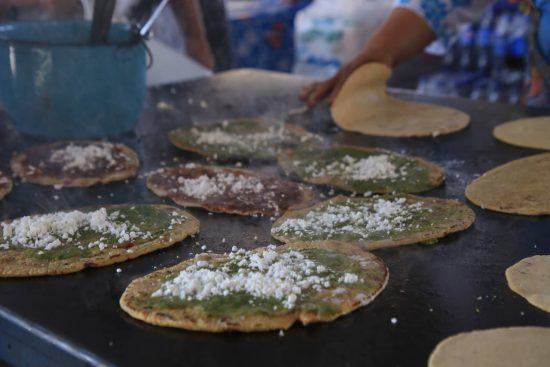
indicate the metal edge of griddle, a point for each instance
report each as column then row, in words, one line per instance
column 19, row 337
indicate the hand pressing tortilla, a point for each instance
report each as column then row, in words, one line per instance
column 364, row 106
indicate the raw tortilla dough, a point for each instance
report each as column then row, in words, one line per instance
column 530, row 278
column 517, row 187
column 503, row 347
column 528, row 133
column 363, row 106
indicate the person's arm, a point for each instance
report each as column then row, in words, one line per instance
column 403, row 35
column 189, row 16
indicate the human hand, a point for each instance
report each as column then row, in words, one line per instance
column 328, row 90
column 402, row 35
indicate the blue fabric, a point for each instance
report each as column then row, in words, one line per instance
column 436, row 13
column 544, row 28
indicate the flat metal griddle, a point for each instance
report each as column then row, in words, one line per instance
column 434, row 291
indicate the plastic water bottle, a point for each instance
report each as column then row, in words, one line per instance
column 483, row 42
column 450, row 57
column 466, row 47
column 500, row 47
column 518, row 44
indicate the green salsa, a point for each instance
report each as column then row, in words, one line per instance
column 414, row 179
column 241, row 303
column 148, row 219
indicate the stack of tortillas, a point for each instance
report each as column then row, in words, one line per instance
column 517, row 187
column 528, row 133
column 363, row 106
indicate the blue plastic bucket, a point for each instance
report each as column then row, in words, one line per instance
column 53, row 83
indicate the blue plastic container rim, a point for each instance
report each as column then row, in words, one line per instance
column 133, row 31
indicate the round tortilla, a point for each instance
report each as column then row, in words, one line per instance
column 441, row 217
column 530, row 278
column 26, row 263
column 364, row 106
column 528, row 133
column 420, row 175
column 275, row 196
column 34, row 165
column 517, row 187
column 342, row 301
column 233, row 139
column 503, row 347
column 6, row 185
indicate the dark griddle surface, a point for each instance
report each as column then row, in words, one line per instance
column 433, row 291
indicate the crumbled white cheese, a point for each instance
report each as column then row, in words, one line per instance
column 85, row 158
column 349, row 278
column 225, row 184
column 369, row 168
column 49, row 231
column 265, row 274
column 351, row 218
column 231, row 142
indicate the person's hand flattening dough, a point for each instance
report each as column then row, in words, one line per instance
column 403, row 35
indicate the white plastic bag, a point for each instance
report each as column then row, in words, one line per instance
column 329, row 33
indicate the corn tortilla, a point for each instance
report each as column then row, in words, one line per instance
column 364, row 106
column 502, row 347
column 29, row 263
column 347, row 299
column 527, row 133
column 530, row 278
column 517, row 187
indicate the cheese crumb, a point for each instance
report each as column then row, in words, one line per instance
column 269, row 140
column 48, row 231
column 284, row 276
column 85, row 158
column 362, row 169
column 360, row 219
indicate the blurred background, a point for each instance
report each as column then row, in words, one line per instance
column 487, row 60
